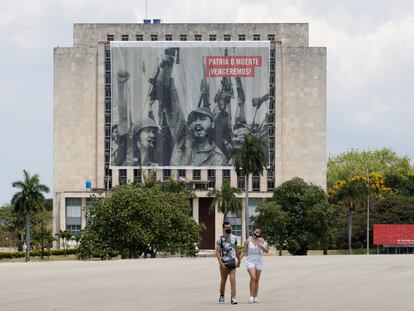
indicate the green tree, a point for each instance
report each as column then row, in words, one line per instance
column 353, row 163
column 65, row 236
column 131, row 218
column 28, row 200
column 225, row 199
column 12, row 226
column 354, row 191
column 307, row 214
column 249, row 158
column 274, row 222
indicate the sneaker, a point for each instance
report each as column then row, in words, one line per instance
column 255, row 300
column 221, row 299
column 251, row 299
column 233, row 301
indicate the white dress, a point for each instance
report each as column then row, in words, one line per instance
column 254, row 256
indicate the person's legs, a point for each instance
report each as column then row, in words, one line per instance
column 223, row 273
column 232, row 274
column 252, row 274
column 256, row 284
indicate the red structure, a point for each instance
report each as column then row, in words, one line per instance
column 394, row 235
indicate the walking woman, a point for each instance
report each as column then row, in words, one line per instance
column 253, row 250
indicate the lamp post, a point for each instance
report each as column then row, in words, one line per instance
column 368, row 213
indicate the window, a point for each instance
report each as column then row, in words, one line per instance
column 168, row 37
column 137, row 175
column 270, row 185
column 107, row 53
column 73, row 215
column 211, row 174
column 196, row 174
column 107, row 106
column 107, row 66
column 181, row 174
column 107, row 79
column 272, row 53
column 272, row 79
column 256, row 37
column 226, row 175
column 197, row 38
column 256, row 183
column 271, row 37
column 240, row 183
column 139, row 37
column 110, row 37
column 236, row 230
column 227, row 37
column 212, row 37
column 242, row 37
column 124, row 37
column 108, row 118
column 272, row 66
column 166, row 174
column 107, row 131
column 107, row 145
column 122, row 178
column 154, row 37
column 107, row 91
column 183, row 37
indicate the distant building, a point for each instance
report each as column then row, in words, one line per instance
column 84, row 115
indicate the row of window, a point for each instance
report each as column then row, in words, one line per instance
column 185, row 37
column 211, row 176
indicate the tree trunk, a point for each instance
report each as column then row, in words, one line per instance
column 246, row 189
column 43, row 246
column 350, row 231
column 27, row 256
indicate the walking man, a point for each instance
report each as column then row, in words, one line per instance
column 226, row 253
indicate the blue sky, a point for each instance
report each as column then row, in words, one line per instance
column 370, row 66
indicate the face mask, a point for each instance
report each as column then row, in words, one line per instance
column 228, row 230
column 256, row 235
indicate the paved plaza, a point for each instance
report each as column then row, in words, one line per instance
column 375, row 282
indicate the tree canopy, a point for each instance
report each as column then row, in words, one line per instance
column 131, row 218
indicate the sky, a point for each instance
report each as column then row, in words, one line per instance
column 370, row 69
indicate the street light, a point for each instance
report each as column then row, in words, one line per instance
column 368, row 213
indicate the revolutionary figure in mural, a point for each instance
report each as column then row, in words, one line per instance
column 191, row 141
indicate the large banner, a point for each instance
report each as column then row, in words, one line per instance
column 186, row 104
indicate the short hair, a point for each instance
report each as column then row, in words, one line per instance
column 225, row 223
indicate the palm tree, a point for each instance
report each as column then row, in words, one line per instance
column 249, row 158
column 225, row 199
column 65, row 236
column 28, row 200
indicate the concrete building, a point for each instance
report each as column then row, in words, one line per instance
column 82, row 116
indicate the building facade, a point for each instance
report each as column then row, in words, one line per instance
column 83, row 118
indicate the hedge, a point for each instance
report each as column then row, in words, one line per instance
column 37, row 253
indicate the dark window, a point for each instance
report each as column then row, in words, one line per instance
column 272, row 66
column 256, row 37
column 107, row 66
column 122, row 178
column 107, row 91
column 227, row 37
column 110, row 37
column 154, row 37
column 256, row 183
column 166, row 174
column 212, row 37
column 107, row 144
column 240, row 183
column 272, row 53
column 211, row 178
column 197, row 38
column 139, row 37
column 107, row 53
column 271, row 37
column 270, row 185
column 183, row 37
column 107, row 79
column 107, row 106
column 272, row 79
column 108, row 118
column 242, row 37
column 137, row 175
column 124, row 37
column 196, row 174
column 168, row 37
column 182, row 173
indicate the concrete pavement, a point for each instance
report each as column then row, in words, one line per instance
column 375, row 282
